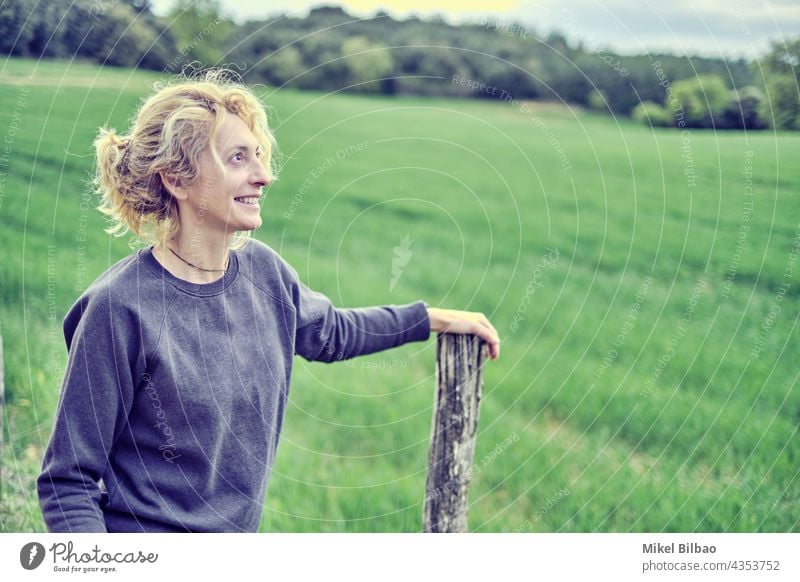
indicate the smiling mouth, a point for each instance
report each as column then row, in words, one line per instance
column 247, row 200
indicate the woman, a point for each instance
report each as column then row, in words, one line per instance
column 180, row 355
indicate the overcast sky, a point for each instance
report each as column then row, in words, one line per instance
column 706, row 27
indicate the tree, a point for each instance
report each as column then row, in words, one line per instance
column 14, row 38
column 326, row 69
column 703, row 99
column 743, row 110
column 44, row 39
column 781, row 67
column 368, row 64
column 652, row 114
column 201, row 31
column 597, row 100
column 280, row 66
column 124, row 38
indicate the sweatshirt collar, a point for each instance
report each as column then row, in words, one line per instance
column 198, row 289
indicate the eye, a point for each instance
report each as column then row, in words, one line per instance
column 238, row 156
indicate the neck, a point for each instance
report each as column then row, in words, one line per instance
column 201, row 250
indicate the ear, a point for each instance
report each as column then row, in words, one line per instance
column 174, row 186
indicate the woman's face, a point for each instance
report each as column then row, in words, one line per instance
column 228, row 200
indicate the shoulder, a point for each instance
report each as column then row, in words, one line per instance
column 115, row 281
column 255, row 249
column 260, row 262
column 110, row 299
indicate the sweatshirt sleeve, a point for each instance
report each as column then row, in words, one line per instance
column 96, row 396
column 328, row 334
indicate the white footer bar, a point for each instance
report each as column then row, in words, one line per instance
column 406, row 557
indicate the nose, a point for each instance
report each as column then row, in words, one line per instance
column 261, row 175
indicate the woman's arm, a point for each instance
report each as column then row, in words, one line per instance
column 329, row 334
column 96, row 396
column 325, row 333
column 452, row 321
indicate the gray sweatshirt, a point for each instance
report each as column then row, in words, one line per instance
column 174, row 395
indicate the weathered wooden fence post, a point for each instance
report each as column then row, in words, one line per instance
column 459, row 379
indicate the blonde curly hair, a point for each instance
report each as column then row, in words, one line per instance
column 170, row 131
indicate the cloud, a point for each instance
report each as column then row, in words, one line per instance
column 736, row 28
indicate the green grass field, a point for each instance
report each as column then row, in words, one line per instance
column 644, row 283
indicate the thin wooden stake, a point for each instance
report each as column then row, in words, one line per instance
column 459, row 379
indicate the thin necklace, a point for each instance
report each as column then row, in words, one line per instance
column 225, row 270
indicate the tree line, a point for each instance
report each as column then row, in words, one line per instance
column 332, row 50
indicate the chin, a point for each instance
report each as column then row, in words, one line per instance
column 251, row 225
